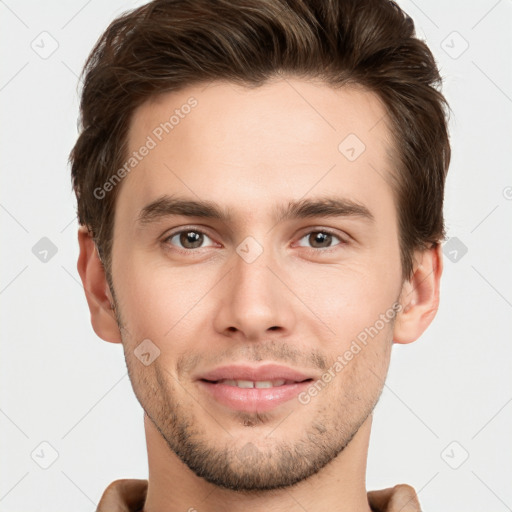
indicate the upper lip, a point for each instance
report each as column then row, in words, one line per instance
column 267, row 372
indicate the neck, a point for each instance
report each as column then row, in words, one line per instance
column 339, row 486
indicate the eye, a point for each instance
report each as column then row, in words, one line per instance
column 188, row 238
column 321, row 239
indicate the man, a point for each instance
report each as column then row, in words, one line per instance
column 260, row 189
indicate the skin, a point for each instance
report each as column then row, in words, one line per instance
column 249, row 150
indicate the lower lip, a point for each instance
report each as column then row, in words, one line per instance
column 253, row 399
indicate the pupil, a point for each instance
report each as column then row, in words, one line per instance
column 191, row 238
column 320, row 237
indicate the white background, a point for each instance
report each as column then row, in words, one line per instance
column 63, row 385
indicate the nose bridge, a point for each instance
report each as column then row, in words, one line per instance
column 253, row 283
column 251, row 272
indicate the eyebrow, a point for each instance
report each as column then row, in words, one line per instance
column 166, row 206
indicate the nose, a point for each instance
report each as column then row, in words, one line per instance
column 253, row 299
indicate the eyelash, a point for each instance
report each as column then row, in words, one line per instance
column 169, row 237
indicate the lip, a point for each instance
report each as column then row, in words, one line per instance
column 263, row 372
column 253, row 399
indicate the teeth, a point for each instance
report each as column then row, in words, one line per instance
column 246, row 384
column 269, row 384
column 263, row 384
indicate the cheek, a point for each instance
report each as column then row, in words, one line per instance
column 347, row 297
column 156, row 296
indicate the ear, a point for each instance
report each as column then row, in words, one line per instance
column 96, row 288
column 420, row 295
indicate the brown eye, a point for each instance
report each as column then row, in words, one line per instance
column 320, row 240
column 191, row 239
column 187, row 239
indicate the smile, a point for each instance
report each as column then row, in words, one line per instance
column 260, row 384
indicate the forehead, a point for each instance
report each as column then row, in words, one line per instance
column 246, row 147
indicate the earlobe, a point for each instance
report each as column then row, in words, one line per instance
column 420, row 296
column 96, row 289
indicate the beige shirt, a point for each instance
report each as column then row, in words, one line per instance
column 129, row 495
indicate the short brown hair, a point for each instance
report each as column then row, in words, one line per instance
column 167, row 45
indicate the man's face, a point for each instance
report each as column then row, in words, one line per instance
column 253, row 289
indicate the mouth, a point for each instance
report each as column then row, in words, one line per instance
column 258, row 384
column 249, row 389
